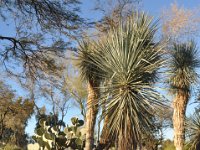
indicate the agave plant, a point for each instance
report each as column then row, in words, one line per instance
column 126, row 61
column 193, row 131
column 182, row 69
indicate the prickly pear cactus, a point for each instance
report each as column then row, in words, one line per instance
column 75, row 139
column 50, row 136
column 44, row 135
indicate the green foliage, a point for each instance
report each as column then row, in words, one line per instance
column 182, row 65
column 193, row 131
column 48, row 133
column 14, row 114
column 127, row 60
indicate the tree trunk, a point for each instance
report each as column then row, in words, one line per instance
column 179, row 104
column 126, row 140
column 92, row 110
column 104, row 141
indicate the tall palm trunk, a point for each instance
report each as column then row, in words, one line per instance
column 179, row 104
column 92, row 110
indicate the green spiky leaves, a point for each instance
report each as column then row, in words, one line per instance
column 126, row 61
column 193, row 131
column 183, row 63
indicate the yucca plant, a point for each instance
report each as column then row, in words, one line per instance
column 126, row 61
column 193, row 131
column 87, row 67
column 184, row 60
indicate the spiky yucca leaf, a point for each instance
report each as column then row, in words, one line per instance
column 193, row 131
column 184, row 61
column 127, row 60
column 86, row 54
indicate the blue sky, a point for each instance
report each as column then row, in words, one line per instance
column 152, row 7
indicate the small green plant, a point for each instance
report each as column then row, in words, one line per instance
column 49, row 134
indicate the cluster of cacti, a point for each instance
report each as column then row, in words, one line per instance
column 51, row 134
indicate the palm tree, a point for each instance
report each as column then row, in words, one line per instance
column 127, row 60
column 193, row 131
column 184, row 60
